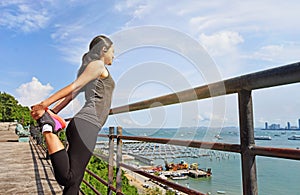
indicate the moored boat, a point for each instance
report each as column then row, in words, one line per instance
column 262, row 137
column 178, row 176
column 294, row 137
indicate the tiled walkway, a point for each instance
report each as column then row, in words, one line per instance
column 23, row 168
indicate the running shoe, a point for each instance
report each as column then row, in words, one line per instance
column 60, row 123
column 52, row 119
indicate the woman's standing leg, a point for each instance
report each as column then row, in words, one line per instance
column 53, row 143
column 70, row 166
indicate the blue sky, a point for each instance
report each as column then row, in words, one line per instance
column 42, row 43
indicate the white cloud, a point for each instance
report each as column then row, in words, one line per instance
column 125, row 5
column 283, row 53
column 214, row 15
column 72, row 54
column 33, row 92
column 224, row 47
column 23, row 15
column 221, row 43
column 134, row 7
column 255, row 16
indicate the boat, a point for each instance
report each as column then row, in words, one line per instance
column 294, row 137
column 221, row 192
column 172, row 166
column 178, row 176
column 262, row 137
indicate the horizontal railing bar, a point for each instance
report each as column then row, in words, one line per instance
column 91, row 187
column 189, row 143
column 103, row 135
column 161, row 180
column 103, row 157
column 287, row 74
column 287, row 153
column 101, row 180
column 96, row 177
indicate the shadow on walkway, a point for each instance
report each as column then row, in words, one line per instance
column 42, row 164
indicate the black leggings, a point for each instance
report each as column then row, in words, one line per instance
column 69, row 166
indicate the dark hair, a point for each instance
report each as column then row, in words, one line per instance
column 101, row 39
column 95, row 51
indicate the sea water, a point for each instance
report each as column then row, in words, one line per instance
column 275, row 176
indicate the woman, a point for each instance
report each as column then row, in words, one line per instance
column 96, row 82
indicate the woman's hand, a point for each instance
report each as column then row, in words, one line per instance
column 37, row 111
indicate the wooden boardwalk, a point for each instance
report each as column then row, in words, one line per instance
column 23, row 167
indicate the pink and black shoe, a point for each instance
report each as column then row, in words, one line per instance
column 56, row 122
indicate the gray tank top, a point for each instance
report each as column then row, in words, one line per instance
column 98, row 95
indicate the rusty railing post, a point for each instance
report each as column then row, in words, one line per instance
column 119, row 160
column 110, row 161
column 247, row 140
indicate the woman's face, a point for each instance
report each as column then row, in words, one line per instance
column 109, row 55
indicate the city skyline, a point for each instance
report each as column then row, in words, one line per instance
column 287, row 127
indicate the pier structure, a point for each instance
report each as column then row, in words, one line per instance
column 147, row 152
column 198, row 173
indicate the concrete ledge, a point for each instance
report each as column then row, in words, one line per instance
column 8, row 126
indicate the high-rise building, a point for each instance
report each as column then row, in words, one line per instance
column 288, row 125
column 266, row 124
column 299, row 123
column 274, row 126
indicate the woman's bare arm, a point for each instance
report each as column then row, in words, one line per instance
column 63, row 102
column 93, row 70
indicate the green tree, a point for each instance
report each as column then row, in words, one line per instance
column 169, row 192
column 11, row 110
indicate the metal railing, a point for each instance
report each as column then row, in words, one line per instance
column 243, row 86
